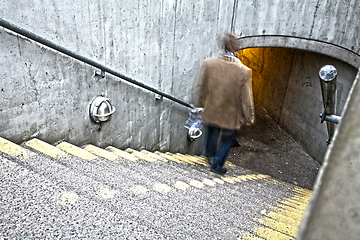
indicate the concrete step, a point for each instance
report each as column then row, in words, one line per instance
column 252, row 205
column 33, row 207
column 149, row 199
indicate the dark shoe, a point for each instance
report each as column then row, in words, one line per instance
column 221, row 171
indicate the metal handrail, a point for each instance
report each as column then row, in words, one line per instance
column 93, row 63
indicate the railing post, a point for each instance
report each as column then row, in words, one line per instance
column 328, row 76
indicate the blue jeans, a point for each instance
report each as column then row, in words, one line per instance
column 219, row 154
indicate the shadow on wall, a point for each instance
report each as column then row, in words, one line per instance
column 286, row 83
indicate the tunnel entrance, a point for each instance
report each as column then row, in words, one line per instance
column 288, row 141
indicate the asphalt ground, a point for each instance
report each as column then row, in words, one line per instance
column 268, row 149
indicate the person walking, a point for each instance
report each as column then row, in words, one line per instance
column 227, row 98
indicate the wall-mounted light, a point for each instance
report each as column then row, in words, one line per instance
column 101, row 110
column 194, row 133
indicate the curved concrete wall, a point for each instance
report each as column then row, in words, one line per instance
column 328, row 27
column 159, row 43
column 286, row 83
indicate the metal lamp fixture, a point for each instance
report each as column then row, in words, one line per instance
column 194, row 133
column 101, row 110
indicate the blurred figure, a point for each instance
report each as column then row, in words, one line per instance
column 227, row 99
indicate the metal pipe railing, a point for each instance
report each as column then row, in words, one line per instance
column 93, row 63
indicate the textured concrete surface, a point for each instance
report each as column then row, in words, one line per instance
column 139, row 199
column 334, row 211
column 267, row 148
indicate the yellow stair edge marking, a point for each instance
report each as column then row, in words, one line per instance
column 140, row 155
column 13, row 149
column 107, row 193
column 76, row 151
column 278, row 226
column 270, row 234
column 153, row 155
column 121, row 153
column 299, row 206
column 182, row 158
column 168, row 157
column 102, row 153
column 228, row 180
column 200, row 160
column 209, row 182
column 283, row 219
column 193, row 159
column 289, row 213
column 181, row 185
column 162, row 188
column 299, row 202
column 301, row 199
column 290, row 208
column 139, row 190
column 45, row 148
column 66, row 198
column 178, row 159
column 229, row 163
column 219, row 181
column 196, row 183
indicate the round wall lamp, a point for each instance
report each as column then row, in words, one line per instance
column 101, row 110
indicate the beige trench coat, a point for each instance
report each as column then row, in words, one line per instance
column 226, row 93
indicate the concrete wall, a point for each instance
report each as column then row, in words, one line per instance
column 334, row 208
column 286, row 83
column 327, row 26
column 159, row 43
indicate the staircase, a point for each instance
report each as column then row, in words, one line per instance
column 69, row 192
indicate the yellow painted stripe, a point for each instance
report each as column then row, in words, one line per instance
column 183, row 161
column 286, row 212
column 290, row 208
column 228, row 180
column 270, row 234
column 76, row 151
column 279, row 226
column 45, row 148
column 209, row 182
column 168, row 157
column 217, row 180
column 202, row 160
column 299, row 206
column 140, row 155
column 301, row 199
column 181, row 185
column 102, row 153
column 13, row 149
column 284, row 219
column 194, row 159
column 162, row 188
column 183, row 158
column 139, row 190
column 107, row 193
column 121, row 153
column 196, row 183
column 229, row 163
column 153, row 155
column 66, row 198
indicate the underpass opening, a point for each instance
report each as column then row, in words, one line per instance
column 288, row 141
